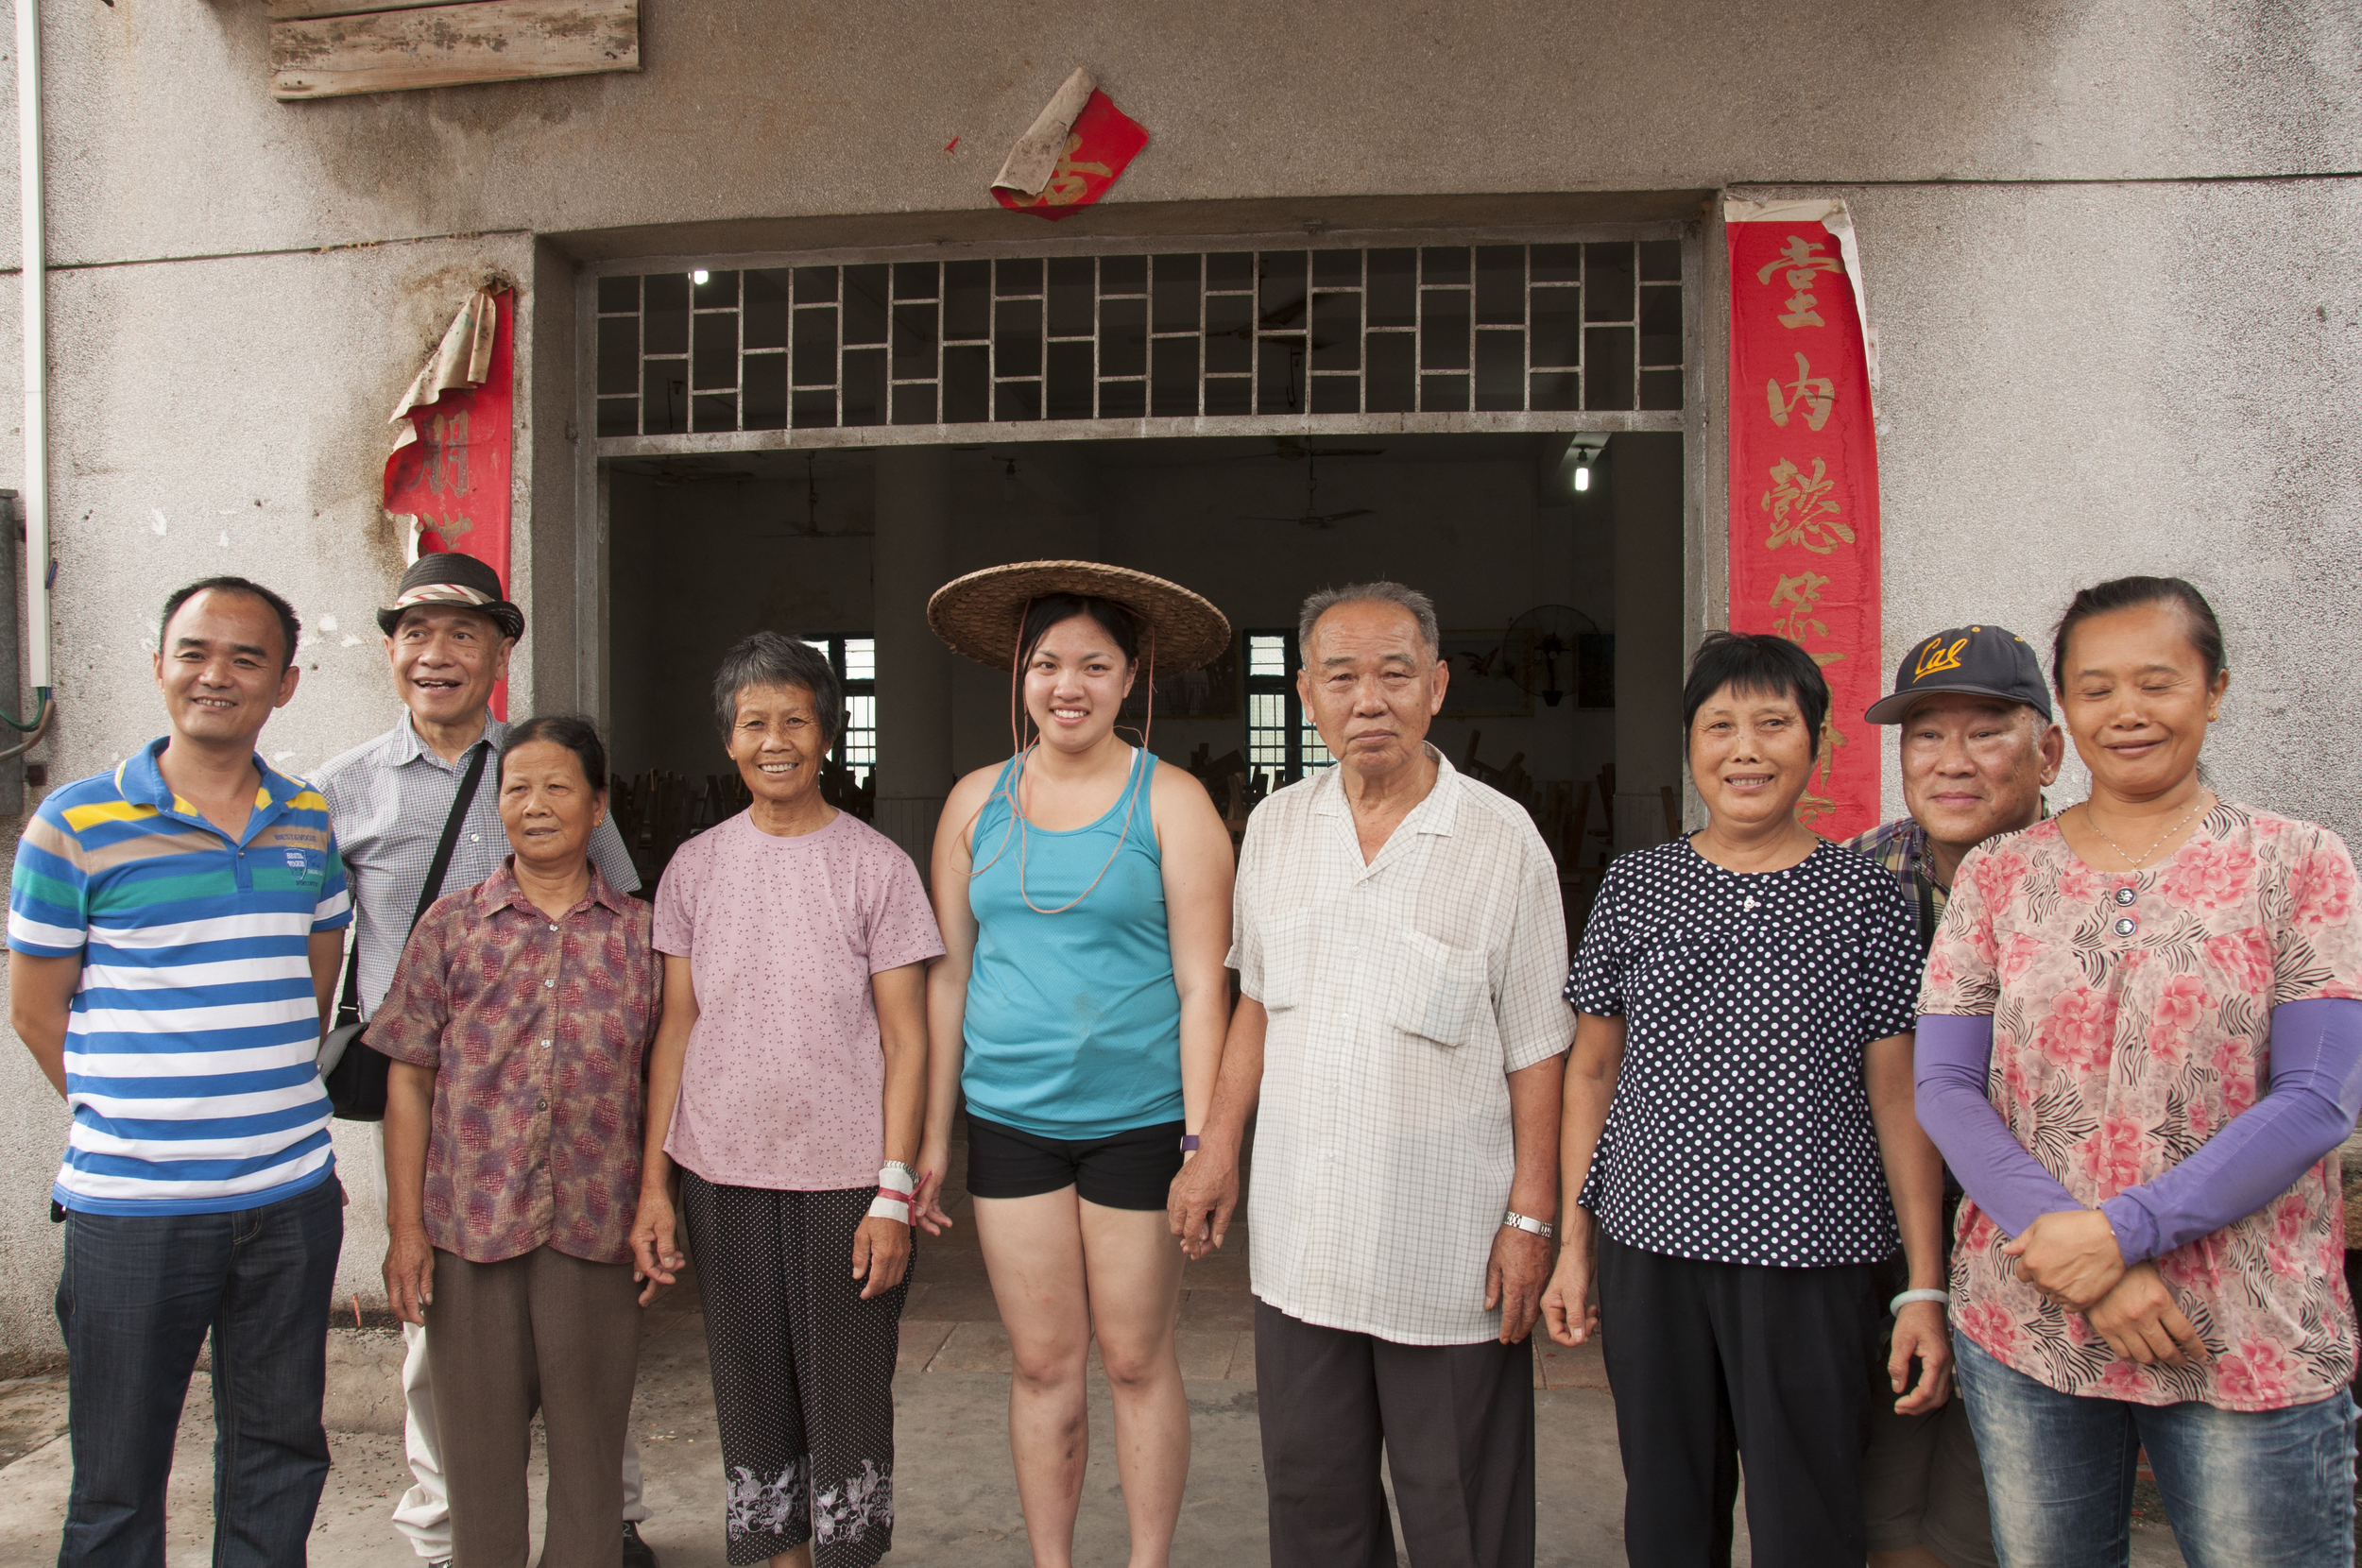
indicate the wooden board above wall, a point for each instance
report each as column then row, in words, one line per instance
column 334, row 48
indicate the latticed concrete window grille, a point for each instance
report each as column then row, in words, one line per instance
column 1594, row 325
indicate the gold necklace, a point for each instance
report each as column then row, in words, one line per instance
column 2093, row 823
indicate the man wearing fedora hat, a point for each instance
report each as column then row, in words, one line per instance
column 448, row 634
column 1979, row 744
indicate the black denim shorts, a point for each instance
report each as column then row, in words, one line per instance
column 1130, row 1170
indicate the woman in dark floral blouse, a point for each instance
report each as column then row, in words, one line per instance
column 517, row 1021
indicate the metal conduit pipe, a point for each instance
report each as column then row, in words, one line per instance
column 34, row 500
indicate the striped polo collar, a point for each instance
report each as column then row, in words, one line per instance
column 140, row 779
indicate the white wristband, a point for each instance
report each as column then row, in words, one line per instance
column 1910, row 1296
column 883, row 1208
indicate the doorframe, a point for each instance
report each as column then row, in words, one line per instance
column 1706, row 593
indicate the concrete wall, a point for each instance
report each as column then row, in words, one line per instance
column 2108, row 242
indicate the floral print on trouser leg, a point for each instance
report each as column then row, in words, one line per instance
column 844, row 1513
column 850, row 1510
column 775, row 1506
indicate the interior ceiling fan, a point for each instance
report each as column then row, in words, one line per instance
column 1544, row 645
column 1295, row 449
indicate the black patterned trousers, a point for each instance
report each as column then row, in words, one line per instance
column 803, row 1370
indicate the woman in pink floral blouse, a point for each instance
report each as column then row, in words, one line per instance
column 2140, row 1043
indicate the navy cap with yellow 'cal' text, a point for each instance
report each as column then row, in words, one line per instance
column 1979, row 661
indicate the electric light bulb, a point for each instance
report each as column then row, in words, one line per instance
column 1583, row 478
column 698, row 277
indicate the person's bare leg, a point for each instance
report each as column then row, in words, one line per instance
column 1033, row 1254
column 1133, row 1272
column 800, row 1558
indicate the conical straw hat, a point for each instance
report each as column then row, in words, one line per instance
column 979, row 615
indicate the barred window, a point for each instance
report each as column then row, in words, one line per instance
column 855, row 661
column 1281, row 740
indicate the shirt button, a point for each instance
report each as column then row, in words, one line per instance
column 541, row 1105
column 2127, row 925
column 475, row 838
column 2125, row 896
column 553, row 924
column 549, row 983
column 545, row 1045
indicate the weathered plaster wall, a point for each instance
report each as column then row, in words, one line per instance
column 763, row 107
column 2080, row 382
column 2081, row 379
column 219, row 416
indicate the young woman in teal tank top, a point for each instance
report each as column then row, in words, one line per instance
column 1083, row 891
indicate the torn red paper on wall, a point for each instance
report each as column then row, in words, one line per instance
column 447, row 476
column 1803, row 496
column 1101, row 144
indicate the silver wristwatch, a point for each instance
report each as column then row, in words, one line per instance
column 1515, row 1222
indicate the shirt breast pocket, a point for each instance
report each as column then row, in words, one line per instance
column 1287, row 961
column 1442, row 994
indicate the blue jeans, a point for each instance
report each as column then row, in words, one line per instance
column 2244, row 1488
column 136, row 1300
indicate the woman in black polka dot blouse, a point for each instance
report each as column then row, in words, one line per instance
column 1738, row 1111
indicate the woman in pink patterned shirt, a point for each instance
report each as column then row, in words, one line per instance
column 518, row 1021
column 2140, row 1046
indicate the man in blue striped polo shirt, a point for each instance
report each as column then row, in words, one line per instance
column 173, row 932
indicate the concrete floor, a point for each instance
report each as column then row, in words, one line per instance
column 957, row 1502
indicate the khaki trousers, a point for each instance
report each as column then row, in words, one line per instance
column 542, row 1332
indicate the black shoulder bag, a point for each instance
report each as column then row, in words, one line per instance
column 353, row 1073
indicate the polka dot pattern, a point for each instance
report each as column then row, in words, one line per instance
column 803, row 1372
column 1741, row 1129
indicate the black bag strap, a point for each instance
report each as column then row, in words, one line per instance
column 433, row 888
column 349, row 1003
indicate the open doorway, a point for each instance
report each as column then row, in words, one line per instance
column 1561, row 606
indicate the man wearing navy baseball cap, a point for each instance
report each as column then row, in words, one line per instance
column 1978, row 745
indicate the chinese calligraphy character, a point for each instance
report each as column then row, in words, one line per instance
column 1802, row 509
column 446, row 455
column 1798, row 597
column 1803, row 268
column 1066, row 185
column 1817, row 801
column 1815, row 395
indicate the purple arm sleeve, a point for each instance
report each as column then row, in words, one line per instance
column 1950, row 1061
column 2314, row 1094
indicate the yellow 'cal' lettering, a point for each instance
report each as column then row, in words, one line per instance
column 1936, row 657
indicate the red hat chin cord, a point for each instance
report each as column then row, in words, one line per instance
column 1021, row 748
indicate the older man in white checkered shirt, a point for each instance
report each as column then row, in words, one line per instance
column 1400, row 944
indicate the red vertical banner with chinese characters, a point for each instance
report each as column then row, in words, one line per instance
column 450, row 468
column 1803, row 480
